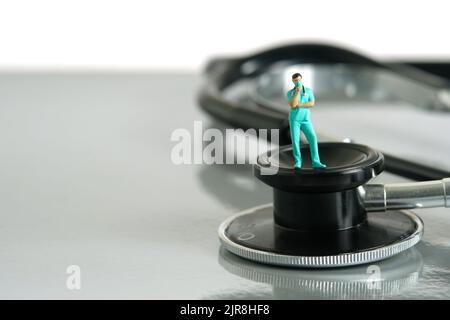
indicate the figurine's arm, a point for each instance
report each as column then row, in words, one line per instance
column 310, row 103
column 294, row 99
column 305, row 105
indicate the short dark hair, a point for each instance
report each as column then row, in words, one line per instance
column 295, row 75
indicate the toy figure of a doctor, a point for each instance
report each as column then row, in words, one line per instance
column 301, row 99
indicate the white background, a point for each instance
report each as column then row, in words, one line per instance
column 182, row 34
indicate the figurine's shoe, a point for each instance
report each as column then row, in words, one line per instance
column 318, row 165
column 298, row 166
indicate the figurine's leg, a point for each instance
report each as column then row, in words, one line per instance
column 295, row 137
column 308, row 129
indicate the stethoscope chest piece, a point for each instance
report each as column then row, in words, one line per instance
column 319, row 217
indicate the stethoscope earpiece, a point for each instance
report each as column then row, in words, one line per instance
column 330, row 218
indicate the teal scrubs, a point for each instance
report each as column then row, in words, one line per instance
column 300, row 120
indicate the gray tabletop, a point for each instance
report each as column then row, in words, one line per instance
column 87, row 180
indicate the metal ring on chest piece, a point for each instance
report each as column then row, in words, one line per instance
column 318, row 218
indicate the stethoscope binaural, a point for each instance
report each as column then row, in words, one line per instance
column 323, row 218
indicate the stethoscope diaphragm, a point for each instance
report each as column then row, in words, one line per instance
column 330, row 217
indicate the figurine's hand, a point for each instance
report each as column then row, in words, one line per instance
column 297, row 90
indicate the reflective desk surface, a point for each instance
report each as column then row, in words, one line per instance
column 87, row 180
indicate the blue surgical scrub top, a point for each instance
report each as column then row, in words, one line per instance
column 300, row 114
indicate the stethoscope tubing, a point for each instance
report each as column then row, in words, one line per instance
column 220, row 72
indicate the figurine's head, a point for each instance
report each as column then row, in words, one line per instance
column 297, row 79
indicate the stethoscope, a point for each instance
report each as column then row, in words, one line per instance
column 322, row 218
column 248, row 92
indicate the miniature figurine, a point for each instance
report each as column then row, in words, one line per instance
column 300, row 100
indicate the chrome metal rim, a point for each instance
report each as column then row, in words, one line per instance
column 329, row 261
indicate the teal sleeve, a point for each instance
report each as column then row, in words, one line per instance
column 311, row 96
column 288, row 95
